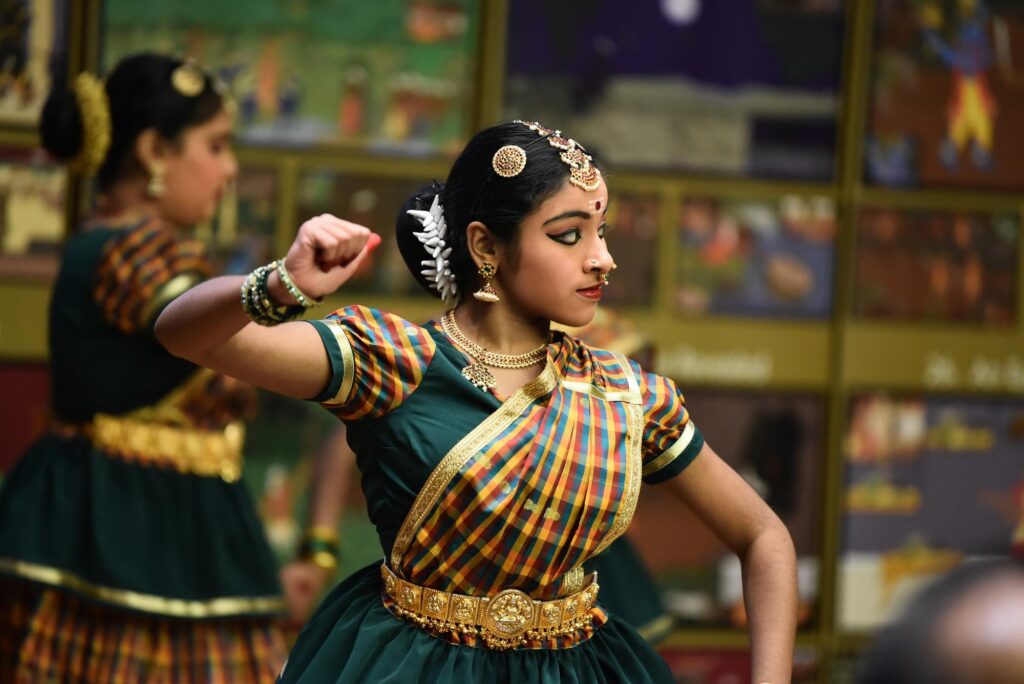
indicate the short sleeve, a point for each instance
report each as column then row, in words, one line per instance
column 377, row 360
column 141, row 271
column 670, row 441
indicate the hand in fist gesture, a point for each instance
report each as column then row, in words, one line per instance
column 326, row 252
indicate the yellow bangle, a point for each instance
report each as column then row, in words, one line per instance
column 324, row 560
column 322, row 533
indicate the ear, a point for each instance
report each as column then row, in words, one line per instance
column 481, row 244
column 151, row 149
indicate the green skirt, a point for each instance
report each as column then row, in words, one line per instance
column 354, row 638
column 135, row 537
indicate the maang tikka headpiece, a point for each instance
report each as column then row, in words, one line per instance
column 510, row 160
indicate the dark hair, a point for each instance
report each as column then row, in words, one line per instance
column 141, row 96
column 474, row 192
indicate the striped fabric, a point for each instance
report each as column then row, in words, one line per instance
column 383, row 359
column 68, row 640
column 137, row 266
column 544, row 494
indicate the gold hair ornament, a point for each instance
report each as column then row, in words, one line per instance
column 188, row 79
column 437, row 269
column 509, row 161
column 95, row 111
column 226, row 97
column 582, row 172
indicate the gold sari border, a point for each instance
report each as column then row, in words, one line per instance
column 673, row 452
column 348, row 362
column 465, row 449
column 226, row 606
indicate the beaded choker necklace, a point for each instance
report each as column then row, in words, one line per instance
column 477, row 372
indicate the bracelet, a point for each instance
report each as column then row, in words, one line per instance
column 304, row 300
column 257, row 303
column 319, row 546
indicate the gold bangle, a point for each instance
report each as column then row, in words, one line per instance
column 324, row 560
column 322, row 533
column 304, row 300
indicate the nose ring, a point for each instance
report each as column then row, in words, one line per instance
column 604, row 279
column 614, row 266
column 593, row 262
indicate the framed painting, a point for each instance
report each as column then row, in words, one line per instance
column 929, row 483
column 947, row 95
column 935, row 266
column 755, row 257
column 392, row 77
column 33, row 57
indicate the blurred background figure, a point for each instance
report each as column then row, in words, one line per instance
column 966, row 628
column 130, row 549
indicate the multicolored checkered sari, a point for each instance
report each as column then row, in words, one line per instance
column 526, row 488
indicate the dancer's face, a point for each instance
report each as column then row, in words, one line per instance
column 198, row 170
column 561, row 254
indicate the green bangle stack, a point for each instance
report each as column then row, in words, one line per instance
column 257, row 303
column 319, row 546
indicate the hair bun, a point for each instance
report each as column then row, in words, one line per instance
column 60, row 125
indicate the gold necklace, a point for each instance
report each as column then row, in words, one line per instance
column 477, row 372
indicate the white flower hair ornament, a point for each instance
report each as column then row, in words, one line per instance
column 437, row 268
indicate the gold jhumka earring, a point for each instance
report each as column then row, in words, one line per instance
column 486, row 293
column 156, row 187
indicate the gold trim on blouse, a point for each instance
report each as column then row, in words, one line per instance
column 673, row 452
column 218, row 607
column 631, row 396
column 170, row 291
column 348, row 365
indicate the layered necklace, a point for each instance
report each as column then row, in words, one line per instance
column 477, row 372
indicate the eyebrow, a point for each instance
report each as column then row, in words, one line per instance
column 574, row 213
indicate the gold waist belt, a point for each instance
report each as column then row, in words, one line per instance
column 207, row 453
column 506, row 620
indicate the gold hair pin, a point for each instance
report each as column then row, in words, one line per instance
column 509, row 161
column 188, row 79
